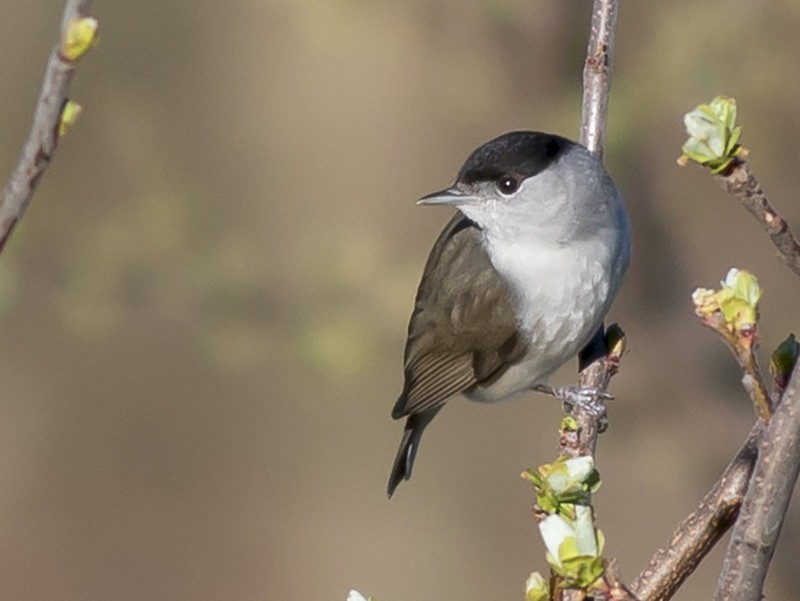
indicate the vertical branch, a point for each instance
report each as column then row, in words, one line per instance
column 596, row 84
column 594, row 111
column 597, row 75
column 44, row 135
column 596, row 369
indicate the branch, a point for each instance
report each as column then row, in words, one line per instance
column 697, row 534
column 757, row 485
column 732, row 312
column 596, row 83
column 78, row 34
column 714, row 143
column 759, row 526
column 595, row 369
column 581, row 439
column 740, row 181
column 597, row 75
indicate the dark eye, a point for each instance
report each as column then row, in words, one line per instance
column 507, row 184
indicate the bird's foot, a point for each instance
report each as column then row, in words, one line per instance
column 590, row 399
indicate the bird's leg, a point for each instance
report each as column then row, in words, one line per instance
column 590, row 399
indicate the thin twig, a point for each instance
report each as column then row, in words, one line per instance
column 759, row 525
column 613, row 588
column 582, row 438
column 697, row 534
column 43, row 138
column 597, row 75
column 740, row 181
column 744, row 350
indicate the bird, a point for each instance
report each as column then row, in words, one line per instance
column 518, row 281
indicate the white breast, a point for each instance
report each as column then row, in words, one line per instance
column 563, row 294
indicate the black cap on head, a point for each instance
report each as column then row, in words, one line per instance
column 520, row 153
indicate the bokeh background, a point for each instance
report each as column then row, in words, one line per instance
column 204, row 309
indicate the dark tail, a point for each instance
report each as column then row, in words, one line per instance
column 404, row 461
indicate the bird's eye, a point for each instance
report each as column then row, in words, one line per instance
column 507, row 184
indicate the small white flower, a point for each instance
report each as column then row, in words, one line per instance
column 579, row 468
column 354, row 595
column 585, row 532
column 568, row 475
column 555, row 530
column 580, row 533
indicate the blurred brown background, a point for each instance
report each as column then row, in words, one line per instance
column 203, row 311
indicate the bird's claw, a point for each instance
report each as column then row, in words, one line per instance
column 590, row 399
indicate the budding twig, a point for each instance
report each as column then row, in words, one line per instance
column 52, row 117
column 755, row 489
column 595, row 368
column 714, row 142
column 732, row 312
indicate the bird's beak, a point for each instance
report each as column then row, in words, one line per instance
column 449, row 196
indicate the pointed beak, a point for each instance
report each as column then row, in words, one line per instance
column 449, row 196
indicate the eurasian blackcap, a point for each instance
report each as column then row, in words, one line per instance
column 518, row 281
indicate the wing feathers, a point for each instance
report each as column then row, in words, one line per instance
column 449, row 347
column 433, row 380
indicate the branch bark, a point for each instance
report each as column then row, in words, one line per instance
column 43, row 138
column 697, row 534
column 597, row 75
column 759, row 525
column 740, row 181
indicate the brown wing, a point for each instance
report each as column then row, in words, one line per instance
column 449, row 347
